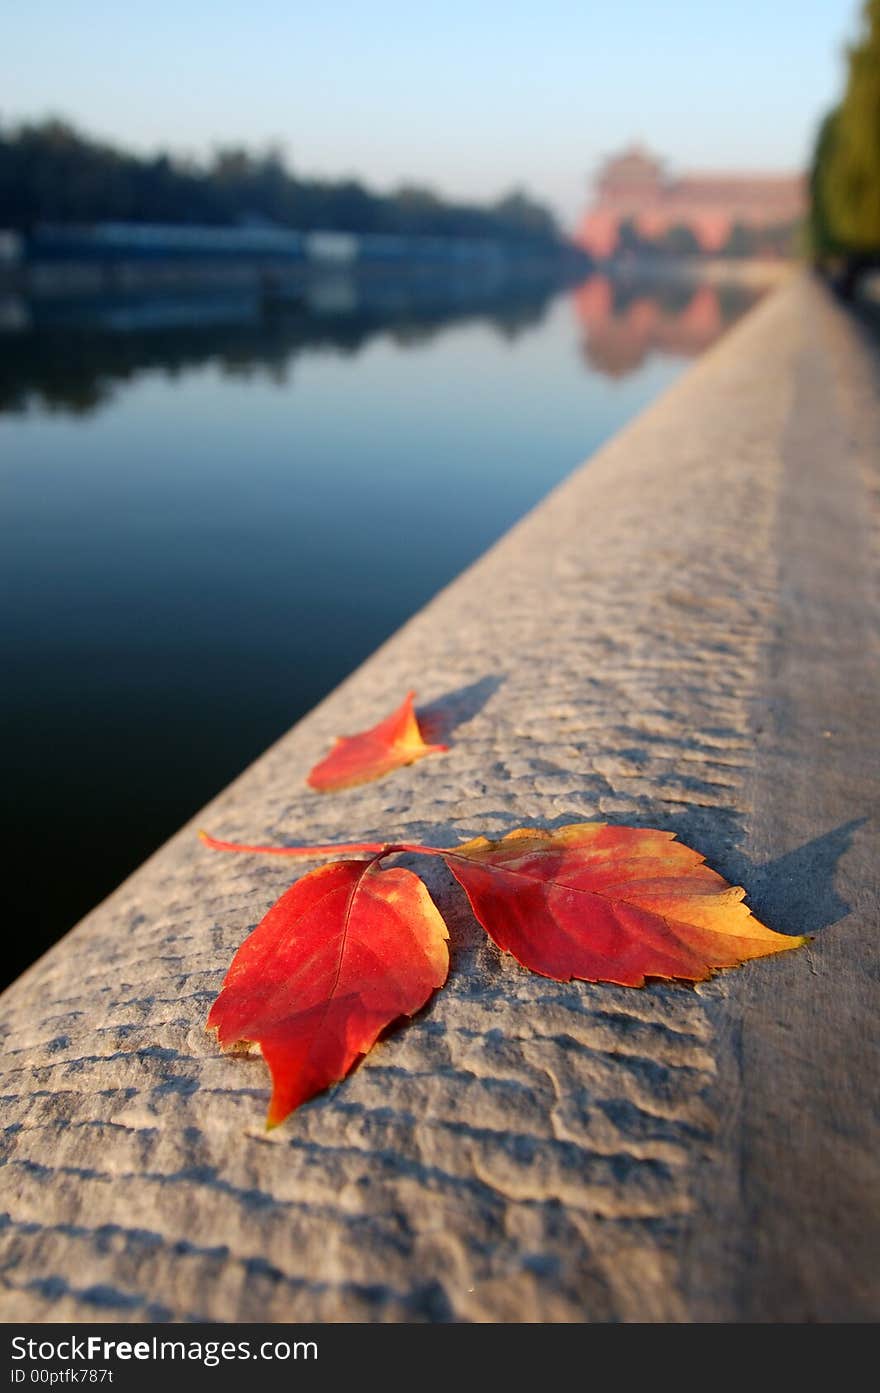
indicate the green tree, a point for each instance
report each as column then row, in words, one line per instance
column 523, row 216
column 823, row 240
column 50, row 173
column 845, row 180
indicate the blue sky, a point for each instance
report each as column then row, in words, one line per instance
column 472, row 98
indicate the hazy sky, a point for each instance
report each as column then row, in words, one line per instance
column 471, row 97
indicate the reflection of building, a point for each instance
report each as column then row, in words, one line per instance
column 634, row 188
column 622, row 325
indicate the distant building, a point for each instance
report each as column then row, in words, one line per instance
column 634, row 188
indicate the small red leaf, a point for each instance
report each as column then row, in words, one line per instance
column 609, row 904
column 342, row 954
column 356, row 759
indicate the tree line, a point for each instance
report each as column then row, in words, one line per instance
column 845, row 173
column 50, row 172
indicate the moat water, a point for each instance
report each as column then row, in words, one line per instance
column 212, row 512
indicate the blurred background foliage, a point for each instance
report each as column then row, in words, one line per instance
column 845, row 174
column 50, row 172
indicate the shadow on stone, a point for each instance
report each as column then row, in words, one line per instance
column 440, row 718
column 795, row 893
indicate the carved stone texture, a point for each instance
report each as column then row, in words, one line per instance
column 682, row 635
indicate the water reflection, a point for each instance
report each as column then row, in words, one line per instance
column 214, row 506
column 625, row 321
column 74, row 356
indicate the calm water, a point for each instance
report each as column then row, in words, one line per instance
column 210, row 515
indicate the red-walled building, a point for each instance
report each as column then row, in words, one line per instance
column 634, row 187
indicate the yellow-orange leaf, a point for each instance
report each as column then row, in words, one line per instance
column 609, row 904
column 356, row 759
column 342, row 954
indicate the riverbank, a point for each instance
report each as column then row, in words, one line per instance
column 679, row 636
column 112, row 259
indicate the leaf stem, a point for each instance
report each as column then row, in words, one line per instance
column 375, row 849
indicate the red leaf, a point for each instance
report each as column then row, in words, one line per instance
column 349, row 948
column 356, row 759
column 609, row 904
column 342, row 954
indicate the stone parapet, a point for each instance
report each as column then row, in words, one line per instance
column 682, row 635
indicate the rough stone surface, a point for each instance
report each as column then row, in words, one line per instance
column 683, row 635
